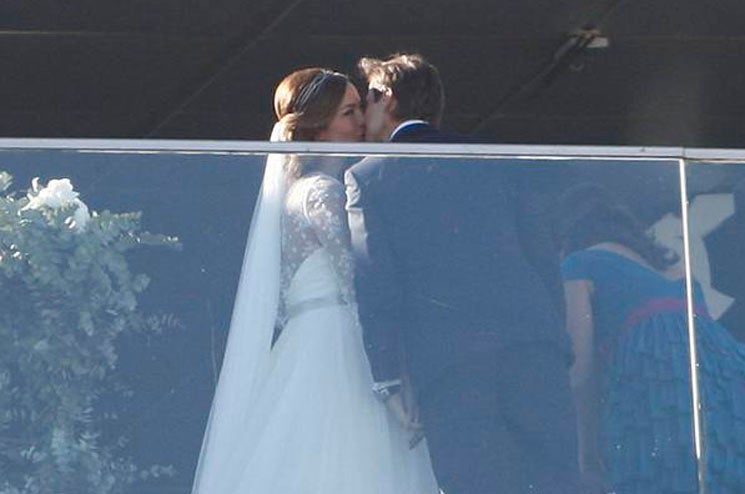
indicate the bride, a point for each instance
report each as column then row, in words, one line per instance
column 294, row 411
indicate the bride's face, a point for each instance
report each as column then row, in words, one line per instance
column 348, row 124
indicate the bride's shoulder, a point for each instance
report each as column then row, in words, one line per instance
column 316, row 190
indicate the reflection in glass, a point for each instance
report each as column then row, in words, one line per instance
column 626, row 314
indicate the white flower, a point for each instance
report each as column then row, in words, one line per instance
column 57, row 194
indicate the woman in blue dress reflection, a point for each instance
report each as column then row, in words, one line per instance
column 626, row 314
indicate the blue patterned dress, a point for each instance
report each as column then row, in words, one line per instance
column 641, row 331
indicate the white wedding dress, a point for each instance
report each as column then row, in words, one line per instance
column 315, row 426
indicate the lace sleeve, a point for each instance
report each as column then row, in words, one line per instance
column 324, row 209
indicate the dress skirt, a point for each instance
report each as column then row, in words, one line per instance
column 317, row 427
column 648, row 420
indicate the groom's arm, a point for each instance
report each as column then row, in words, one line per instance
column 377, row 285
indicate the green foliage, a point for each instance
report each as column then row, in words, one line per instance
column 66, row 295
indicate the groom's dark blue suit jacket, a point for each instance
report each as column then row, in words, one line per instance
column 450, row 266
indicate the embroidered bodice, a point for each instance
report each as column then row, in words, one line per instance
column 314, row 222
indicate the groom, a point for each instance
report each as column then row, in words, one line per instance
column 450, row 302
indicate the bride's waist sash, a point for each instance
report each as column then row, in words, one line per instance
column 295, row 309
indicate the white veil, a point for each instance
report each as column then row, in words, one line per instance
column 246, row 357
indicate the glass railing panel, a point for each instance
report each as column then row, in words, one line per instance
column 107, row 379
column 626, row 307
column 453, row 267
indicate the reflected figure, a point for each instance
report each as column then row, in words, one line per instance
column 726, row 246
column 300, row 416
column 626, row 314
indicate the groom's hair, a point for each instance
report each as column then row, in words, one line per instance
column 414, row 82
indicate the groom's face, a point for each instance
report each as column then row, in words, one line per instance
column 377, row 102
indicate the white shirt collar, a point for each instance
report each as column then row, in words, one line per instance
column 405, row 124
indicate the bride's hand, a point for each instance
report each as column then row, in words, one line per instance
column 405, row 413
column 403, row 406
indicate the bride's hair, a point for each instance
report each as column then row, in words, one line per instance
column 305, row 103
